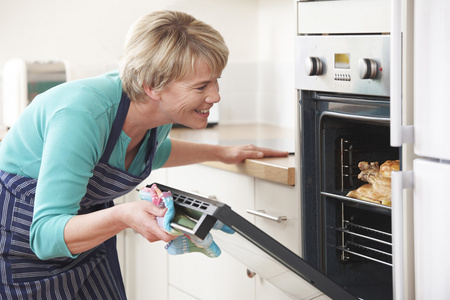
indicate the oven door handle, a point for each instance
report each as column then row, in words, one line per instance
column 399, row 134
column 399, row 181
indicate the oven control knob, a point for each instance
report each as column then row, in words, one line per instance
column 313, row 66
column 367, row 68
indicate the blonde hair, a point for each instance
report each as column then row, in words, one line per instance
column 164, row 46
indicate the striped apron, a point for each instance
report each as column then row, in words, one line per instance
column 94, row 274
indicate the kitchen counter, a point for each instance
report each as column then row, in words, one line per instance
column 276, row 169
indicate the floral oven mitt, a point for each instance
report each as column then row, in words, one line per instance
column 184, row 243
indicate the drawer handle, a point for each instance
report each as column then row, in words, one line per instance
column 250, row 273
column 262, row 214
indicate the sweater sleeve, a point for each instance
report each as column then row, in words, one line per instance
column 73, row 142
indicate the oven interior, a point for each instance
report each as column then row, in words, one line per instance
column 346, row 238
column 358, row 252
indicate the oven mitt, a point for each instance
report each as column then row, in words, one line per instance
column 190, row 243
column 160, row 199
column 184, row 243
column 220, row 226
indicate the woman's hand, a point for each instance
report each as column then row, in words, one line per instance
column 84, row 232
column 186, row 153
column 237, row 154
column 141, row 217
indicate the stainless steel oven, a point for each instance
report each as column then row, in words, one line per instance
column 343, row 86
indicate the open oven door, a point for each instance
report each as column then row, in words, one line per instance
column 255, row 249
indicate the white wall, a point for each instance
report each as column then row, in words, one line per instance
column 276, row 95
column 257, row 85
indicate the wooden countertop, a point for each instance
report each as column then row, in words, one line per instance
column 279, row 169
column 276, row 169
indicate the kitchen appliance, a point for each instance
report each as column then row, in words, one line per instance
column 418, row 127
column 263, row 254
column 421, row 122
column 343, row 84
column 23, row 80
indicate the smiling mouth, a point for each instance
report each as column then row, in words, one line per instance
column 202, row 111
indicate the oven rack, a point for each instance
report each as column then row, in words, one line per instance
column 369, row 245
column 348, row 224
column 346, row 250
column 382, row 208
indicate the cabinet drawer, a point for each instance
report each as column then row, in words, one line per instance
column 267, row 291
column 279, row 200
column 221, row 278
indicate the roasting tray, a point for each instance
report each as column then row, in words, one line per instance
column 254, row 248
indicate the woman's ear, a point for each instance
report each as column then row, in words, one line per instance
column 151, row 92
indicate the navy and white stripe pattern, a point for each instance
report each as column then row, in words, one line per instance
column 102, row 187
column 24, row 276
column 94, row 274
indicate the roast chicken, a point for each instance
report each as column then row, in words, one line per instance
column 378, row 188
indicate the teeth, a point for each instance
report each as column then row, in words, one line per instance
column 203, row 111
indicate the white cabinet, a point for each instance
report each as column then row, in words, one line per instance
column 144, row 264
column 277, row 200
column 431, row 207
column 195, row 274
column 234, row 189
column 372, row 16
column 146, row 268
column 176, row 294
column 267, row 291
column 151, row 273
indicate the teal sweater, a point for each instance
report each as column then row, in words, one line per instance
column 58, row 139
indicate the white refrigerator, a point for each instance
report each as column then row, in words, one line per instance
column 420, row 201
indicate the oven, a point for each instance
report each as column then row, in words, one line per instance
column 343, row 86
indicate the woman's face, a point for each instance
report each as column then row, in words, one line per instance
column 189, row 100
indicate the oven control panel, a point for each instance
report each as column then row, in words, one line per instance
column 353, row 64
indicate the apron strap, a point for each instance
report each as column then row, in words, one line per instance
column 117, row 126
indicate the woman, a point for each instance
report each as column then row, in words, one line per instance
column 84, row 143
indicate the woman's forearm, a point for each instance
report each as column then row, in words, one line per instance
column 84, row 232
column 185, row 153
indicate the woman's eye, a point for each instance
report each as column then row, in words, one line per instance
column 202, row 87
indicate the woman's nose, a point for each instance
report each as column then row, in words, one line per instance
column 213, row 94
